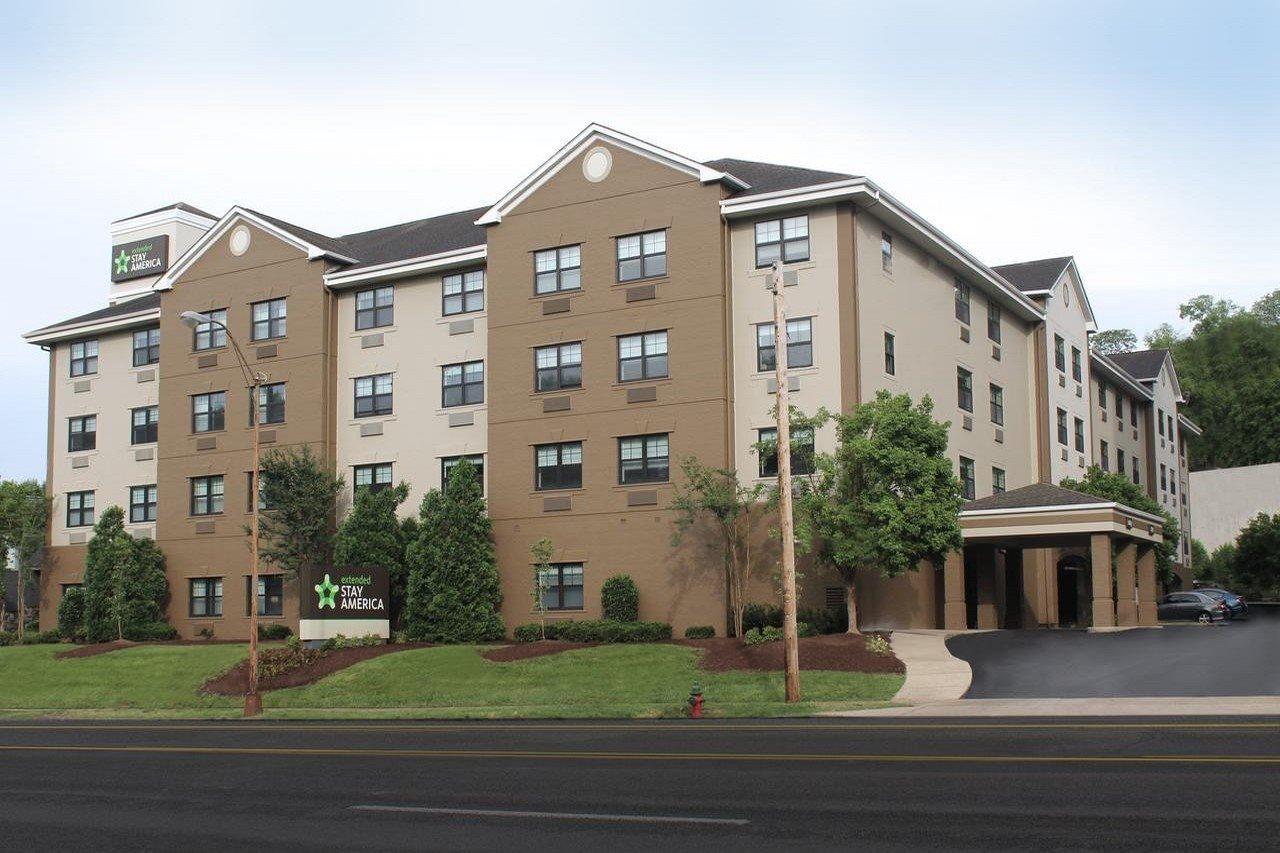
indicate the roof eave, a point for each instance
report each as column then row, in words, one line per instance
column 53, row 334
column 340, row 279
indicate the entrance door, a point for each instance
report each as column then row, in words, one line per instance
column 1069, row 573
column 1013, row 588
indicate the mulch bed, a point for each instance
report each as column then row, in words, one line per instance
column 524, row 651
column 91, row 649
column 235, row 681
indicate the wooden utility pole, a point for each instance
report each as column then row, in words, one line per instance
column 790, row 640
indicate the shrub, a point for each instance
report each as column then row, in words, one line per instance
column 699, row 632
column 772, row 634
column 876, row 644
column 619, row 599
column 8, row 638
column 71, row 614
column 145, row 631
column 273, row 663
column 804, row 629
column 528, row 633
column 340, row 641
column 760, row 616
column 274, row 631
column 36, row 638
column 596, row 631
column 828, row 620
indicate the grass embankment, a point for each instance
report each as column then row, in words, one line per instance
column 444, row 682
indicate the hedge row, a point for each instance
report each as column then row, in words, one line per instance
column 595, row 631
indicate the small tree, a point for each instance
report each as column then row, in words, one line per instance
column 24, row 512
column 887, row 499
column 1257, row 557
column 124, row 581
column 1113, row 341
column 372, row 535
column 541, row 551
column 71, row 614
column 1119, row 488
column 619, row 599
column 454, row 590
column 296, row 529
column 716, row 493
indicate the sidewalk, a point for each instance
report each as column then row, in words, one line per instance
column 1153, row 706
column 933, row 673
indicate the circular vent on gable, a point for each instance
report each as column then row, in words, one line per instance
column 597, row 164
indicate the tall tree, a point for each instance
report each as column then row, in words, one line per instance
column 300, row 494
column 541, row 553
column 1119, row 488
column 372, row 535
column 1112, row 341
column 888, row 499
column 1256, row 566
column 24, row 512
column 124, row 580
column 454, row 590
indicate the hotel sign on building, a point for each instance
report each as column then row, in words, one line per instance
column 140, row 258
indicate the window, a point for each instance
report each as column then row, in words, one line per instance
column 559, row 466
column 1173, row 483
column 642, row 255
column 373, row 395
column 964, row 389
column 448, row 463
column 208, row 411
column 801, row 451
column 146, row 346
column 997, row 481
column 463, row 292
column 211, row 335
column 376, row 477
column 557, row 269
column 562, row 586
column 644, row 459
column 1079, row 436
column 785, row 240
column 142, row 504
column 997, row 405
column 1062, row 427
column 249, row 493
column 1120, row 461
column 799, row 344
column 968, row 483
column 1160, row 421
column 80, row 509
column 890, row 362
column 1133, row 414
column 1102, row 395
column 1075, row 364
column 1060, row 353
column 1136, row 478
column 270, row 595
column 268, row 319
column 1104, row 455
column 993, row 322
column 559, row 366
column 145, row 425
column 462, row 384
column 1120, row 404
column 1164, row 484
column 82, row 433
column 270, row 404
column 206, row 495
column 886, row 251
column 206, row 596
column 84, row 358
column 963, row 296
column 642, row 356
column 375, row 307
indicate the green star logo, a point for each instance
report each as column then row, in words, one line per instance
column 122, row 263
column 327, row 590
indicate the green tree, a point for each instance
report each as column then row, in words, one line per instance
column 1122, row 490
column 620, row 599
column 1112, row 341
column 372, row 535
column 124, row 581
column 71, row 614
column 1267, row 309
column 1206, row 312
column 1221, row 567
column 24, row 512
column 541, row 553
column 1199, row 556
column 1257, row 559
column 887, row 499
column 1164, row 336
column 296, row 529
column 454, row 590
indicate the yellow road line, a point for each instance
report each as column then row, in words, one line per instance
column 673, row 726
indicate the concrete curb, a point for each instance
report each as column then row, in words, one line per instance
column 933, row 673
column 1150, row 706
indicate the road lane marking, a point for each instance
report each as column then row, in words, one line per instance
column 585, row 816
column 306, row 752
column 673, row 726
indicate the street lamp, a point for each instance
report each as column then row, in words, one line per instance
column 253, row 380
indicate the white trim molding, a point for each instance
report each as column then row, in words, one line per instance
column 1035, row 510
column 79, row 330
column 469, row 256
column 161, row 217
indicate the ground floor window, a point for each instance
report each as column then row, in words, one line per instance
column 270, row 595
column 968, row 484
column 80, row 509
column 801, row 451
column 206, row 596
column 374, row 477
column 562, row 587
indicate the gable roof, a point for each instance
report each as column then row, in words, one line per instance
column 136, row 310
column 1104, row 365
column 1143, row 365
column 421, row 238
column 1034, row 276
column 771, row 177
column 1034, row 496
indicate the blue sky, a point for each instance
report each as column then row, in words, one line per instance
column 1140, row 137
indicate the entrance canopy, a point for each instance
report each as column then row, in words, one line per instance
column 1043, row 515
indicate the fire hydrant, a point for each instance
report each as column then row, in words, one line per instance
column 695, row 701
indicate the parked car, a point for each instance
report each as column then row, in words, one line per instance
column 1235, row 604
column 1198, row 606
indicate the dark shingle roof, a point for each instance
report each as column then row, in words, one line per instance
column 431, row 236
column 150, row 302
column 1143, row 364
column 1035, row 495
column 771, row 177
column 1030, row 276
column 182, row 205
column 315, row 238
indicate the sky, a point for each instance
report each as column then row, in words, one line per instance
column 1142, row 138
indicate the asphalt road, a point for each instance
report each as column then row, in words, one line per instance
column 806, row 784
column 1236, row 658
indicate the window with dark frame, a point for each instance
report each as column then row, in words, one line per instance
column 1079, row 435
column 993, row 322
column 462, row 292
column 250, row 490
column 556, row 270
column 80, row 509
column 642, row 255
column 462, row 384
column 562, row 586
column 1164, row 484
column 964, row 389
column 373, row 395
column 270, row 595
column 270, row 404
column 144, row 425
column 1076, row 369
column 375, row 477
column 886, row 251
column 207, row 495
column 146, row 346
column 1104, row 455
column 1102, row 395
column 1060, row 353
column 557, row 367
column 205, row 596
column 1160, row 421
column 997, row 405
column 210, row 335
column 644, row 459
column 785, row 240
column 963, row 298
column 1133, row 413
column 375, row 307
column 448, row 463
column 1063, row 437
column 558, row 466
column 208, row 411
column 642, row 356
column 802, row 453
column 84, row 357
column 799, row 344
column 82, row 433
column 142, row 504
column 968, row 479
column 269, row 319
column 890, row 360
column 997, row 481
column 1134, row 462
column 1119, row 401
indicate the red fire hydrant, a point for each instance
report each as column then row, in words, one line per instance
column 695, row 701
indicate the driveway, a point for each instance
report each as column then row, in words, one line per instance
column 1240, row 658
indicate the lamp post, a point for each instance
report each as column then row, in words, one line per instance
column 253, row 380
